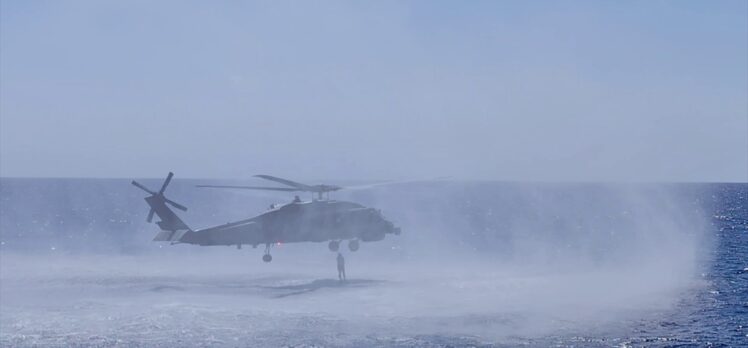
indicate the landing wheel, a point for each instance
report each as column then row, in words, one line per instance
column 267, row 257
column 353, row 245
column 334, row 245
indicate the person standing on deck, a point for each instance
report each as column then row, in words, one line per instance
column 341, row 267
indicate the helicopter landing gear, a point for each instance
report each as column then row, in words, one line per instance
column 334, row 245
column 353, row 245
column 267, row 257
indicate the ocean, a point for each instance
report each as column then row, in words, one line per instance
column 478, row 264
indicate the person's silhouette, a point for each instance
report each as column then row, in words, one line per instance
column 341, row 267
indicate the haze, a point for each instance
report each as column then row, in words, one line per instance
column 571, row 91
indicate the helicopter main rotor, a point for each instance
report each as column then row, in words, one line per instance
column 319, row 189
column 294, row 186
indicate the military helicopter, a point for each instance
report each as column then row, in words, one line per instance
column 314, row 221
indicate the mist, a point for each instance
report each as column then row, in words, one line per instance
column 487, row 261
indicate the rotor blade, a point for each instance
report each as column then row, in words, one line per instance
column 166, row 183
column 286, row 182
column 150, row 216
column 368, row 186
column 175, row 204
column 386, row 183
column 251, row 188
column 138, row 185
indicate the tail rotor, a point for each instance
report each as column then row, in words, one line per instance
column 159, row 196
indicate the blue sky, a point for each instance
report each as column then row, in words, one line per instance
column 551, row 91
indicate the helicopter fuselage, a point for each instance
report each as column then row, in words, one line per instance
column 315, row 221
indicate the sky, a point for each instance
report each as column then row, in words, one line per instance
column 486, row 90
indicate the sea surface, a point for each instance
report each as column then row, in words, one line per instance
column 478, row 264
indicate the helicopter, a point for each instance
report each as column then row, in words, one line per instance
column 318, row 220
